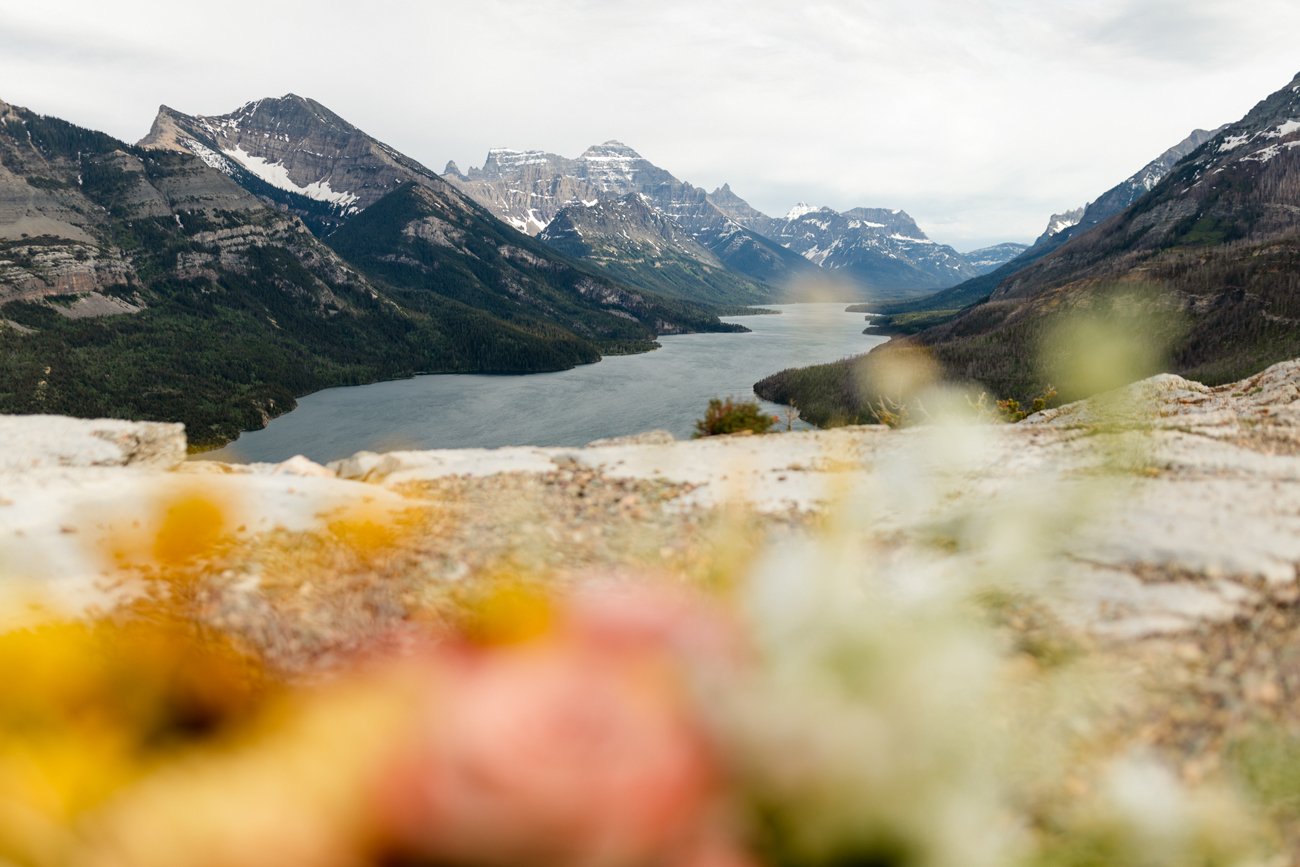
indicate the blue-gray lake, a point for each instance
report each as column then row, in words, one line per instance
column 665, row 389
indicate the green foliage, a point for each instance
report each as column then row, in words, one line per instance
column 731, row 416
column 1011, row 411
column 828, row 395
column 909, row 323
column 58, row 138
column 1268, row 765
column 105, row 181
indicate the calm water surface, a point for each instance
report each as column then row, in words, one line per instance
column 668, row 388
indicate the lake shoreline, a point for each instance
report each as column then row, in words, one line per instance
column 616, row 396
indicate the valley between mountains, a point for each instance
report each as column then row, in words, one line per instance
column 226, row 265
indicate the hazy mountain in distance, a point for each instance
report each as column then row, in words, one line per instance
column 632, row 241
column 529, row 189
column 883, row 252
column 986, row 259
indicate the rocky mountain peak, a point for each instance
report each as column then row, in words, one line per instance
column 896, row 221
column 297, row 152
column 287, row 114
column 803, row 209
column 508, row 161
column 736, row 208
column 167, row 132
column 1058, row 223
column 529, row 189
column 454, row 170
column 611, row 148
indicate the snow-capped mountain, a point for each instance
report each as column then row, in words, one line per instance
column 1071, row 224
column 405, row 226
column 883, row 251
column 1062, row 222
column 530, row 188
column 987, row 259
column 294, row 149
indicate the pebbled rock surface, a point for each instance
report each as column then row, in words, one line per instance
column 1162, row 544
column 1171, row 521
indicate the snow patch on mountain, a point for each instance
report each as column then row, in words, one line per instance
column 210, row 157
column 1233, row 142
column 800, row 210
column 1268, row 153
column 531, row 225
column 278, row 176
column 1285, row 129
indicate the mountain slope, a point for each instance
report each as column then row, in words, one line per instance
column 1210, row 257
column 294, row 151
column 423, row 258
column 633, row 242
column 529, row 189
column 1061, row 229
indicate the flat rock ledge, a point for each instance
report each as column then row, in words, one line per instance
column 40, row 442
column 1172, row 508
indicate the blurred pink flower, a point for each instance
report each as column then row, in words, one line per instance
column 581, row 747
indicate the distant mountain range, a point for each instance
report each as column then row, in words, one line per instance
column 532, row 189
column 881, row 250
column 177, row 279
column 716, row 243
column 1202, row 248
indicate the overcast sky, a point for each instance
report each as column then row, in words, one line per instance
column 978, row 117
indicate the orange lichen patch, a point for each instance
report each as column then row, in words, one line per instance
column 371, row 530
column 192, row 525
column 181, row 526
column 508, row 610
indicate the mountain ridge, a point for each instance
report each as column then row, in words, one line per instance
column 1205, row 266
column 176, row 281
column 1061, row 229
column 530, row 188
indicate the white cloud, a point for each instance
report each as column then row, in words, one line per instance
column 980, row 117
